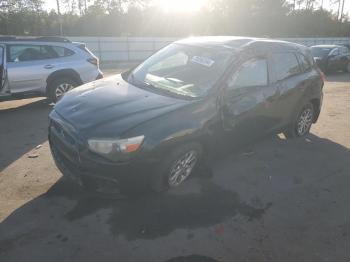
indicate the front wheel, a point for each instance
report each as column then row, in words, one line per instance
column 177, row 167
column 301, row 126
column 59, row 87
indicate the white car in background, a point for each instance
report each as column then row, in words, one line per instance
column 49, row 66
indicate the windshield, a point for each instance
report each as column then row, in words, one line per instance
column 320, row 51
column 182, row 69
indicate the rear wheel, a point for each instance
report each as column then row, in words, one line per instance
column 302, row 124
column 177, row 167
column 59, row 87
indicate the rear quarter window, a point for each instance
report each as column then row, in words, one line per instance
column 284, row 65
column 62, row 51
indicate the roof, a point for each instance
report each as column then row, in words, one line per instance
column 54, row 39
column 240, row 42
column 326, row 46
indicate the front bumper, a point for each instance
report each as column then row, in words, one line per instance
column 80, row 165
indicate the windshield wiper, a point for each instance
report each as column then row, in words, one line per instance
column 163, row 90
column 175, row 92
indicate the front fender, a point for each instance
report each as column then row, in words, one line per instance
column 188, row 124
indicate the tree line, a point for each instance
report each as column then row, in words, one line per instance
column 264, row 18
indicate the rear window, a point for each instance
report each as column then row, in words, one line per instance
column 284, row 65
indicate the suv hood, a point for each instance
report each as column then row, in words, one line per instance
column 109, row 107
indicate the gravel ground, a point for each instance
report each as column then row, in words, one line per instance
column 277, row 200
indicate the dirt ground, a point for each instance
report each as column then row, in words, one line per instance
column 276, row 200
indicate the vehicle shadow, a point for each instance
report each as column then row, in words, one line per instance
column 66, row 214
column 22, row 129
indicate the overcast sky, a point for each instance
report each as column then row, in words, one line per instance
column 51, row 4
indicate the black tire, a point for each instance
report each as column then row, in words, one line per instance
column 294, row 130
column 56, row 84
column 160, row 180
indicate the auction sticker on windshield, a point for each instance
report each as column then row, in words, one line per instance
column 203, row 61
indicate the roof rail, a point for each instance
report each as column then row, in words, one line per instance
column 35, row 38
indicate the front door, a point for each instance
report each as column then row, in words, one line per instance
column 245, row 98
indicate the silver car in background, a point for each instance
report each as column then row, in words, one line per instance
column 48, row 66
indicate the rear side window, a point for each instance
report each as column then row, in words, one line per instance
column 304, row 63
column 284, row 65
column 251, row 73
column 22, row 53
column 62, row 51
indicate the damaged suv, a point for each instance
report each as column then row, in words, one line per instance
column 154, row 123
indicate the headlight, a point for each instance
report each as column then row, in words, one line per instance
column 115, row 149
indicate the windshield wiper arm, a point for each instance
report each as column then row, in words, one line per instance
column 159, row 89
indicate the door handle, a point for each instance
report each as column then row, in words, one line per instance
column 48, row 66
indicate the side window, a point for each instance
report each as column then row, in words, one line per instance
column 179, row 59
column 22, row 53
column 251, row 73
column 304, row 63
column 62, row 51
column 284, row 65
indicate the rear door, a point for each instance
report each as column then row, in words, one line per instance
column 3, row 70
column 288, row 78
column 29, row 66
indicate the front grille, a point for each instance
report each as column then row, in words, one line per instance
column 64, row 142
column 66, row 136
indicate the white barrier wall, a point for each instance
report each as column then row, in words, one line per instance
column 124, row 49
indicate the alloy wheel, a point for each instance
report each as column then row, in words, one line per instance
column 62, row 89
column 305, row 121
column 182, row 168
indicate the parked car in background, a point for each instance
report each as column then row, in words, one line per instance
column 331, row 58
column 154, row 124
column 48, row 66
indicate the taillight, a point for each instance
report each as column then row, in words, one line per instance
column 93, row 61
